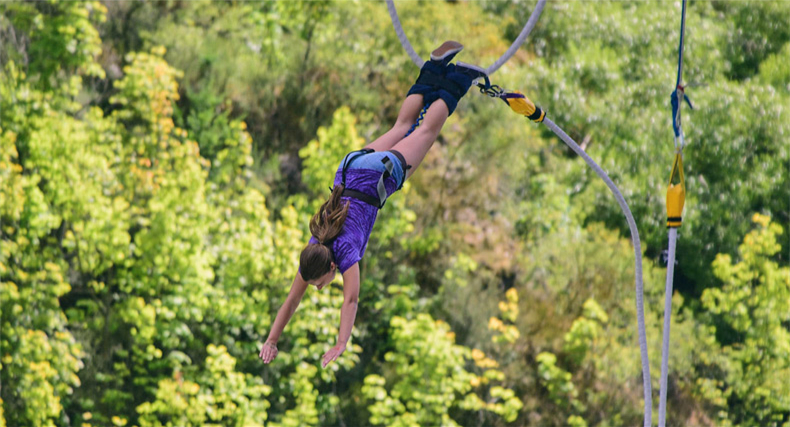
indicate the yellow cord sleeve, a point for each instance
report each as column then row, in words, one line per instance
column 676, row 194
column 522, row 105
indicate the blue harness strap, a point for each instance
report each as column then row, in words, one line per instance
column 381, row 190
column 347, row 161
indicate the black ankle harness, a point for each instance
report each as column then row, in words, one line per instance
column 429, row 78
column 376, row 202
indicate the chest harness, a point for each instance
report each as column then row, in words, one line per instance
column 376, row 202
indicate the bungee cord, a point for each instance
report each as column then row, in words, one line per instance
column 522, row 105
column 640, row 312
column 404, row 40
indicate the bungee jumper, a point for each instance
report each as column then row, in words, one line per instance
column 364, row 180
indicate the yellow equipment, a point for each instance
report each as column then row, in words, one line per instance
column 676, row 194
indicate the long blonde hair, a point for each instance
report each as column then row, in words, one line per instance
column 316, row 259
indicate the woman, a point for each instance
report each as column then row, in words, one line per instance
column 341, row 228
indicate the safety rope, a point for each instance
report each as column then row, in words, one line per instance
column 404, row 40
column 662, row 403
column 680, row 46
column 676, row 198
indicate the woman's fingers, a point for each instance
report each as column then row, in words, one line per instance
column 327, row 358
column 331, row 355
column 268, row 353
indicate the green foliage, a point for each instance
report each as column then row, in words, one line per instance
column 509, row 311
column 428, row 378
column 219, row 396
column 755, row 31
column 585, row 330
column 59, row 41
column 557, row 381
column 38, row 353
column 605, row 71
column 773, row 71
column 742, row 157
column 119, row 207
column 753, row 303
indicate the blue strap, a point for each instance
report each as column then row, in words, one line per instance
column 419, row 120
column 679, row 93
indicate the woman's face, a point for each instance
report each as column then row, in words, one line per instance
column 326, row 278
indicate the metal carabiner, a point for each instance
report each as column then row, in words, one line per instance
column 494, row 91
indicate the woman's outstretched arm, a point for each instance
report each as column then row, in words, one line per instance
column 347, row 314
column 269, row 349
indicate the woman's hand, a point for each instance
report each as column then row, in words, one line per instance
column 268, row 352
column 333, row 354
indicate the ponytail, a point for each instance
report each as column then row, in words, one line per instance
column 328, row 222
column 325, row 226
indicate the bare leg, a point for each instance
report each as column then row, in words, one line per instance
column 409, row 111
column 415, row 146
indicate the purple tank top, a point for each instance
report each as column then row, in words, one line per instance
column 350, row 245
